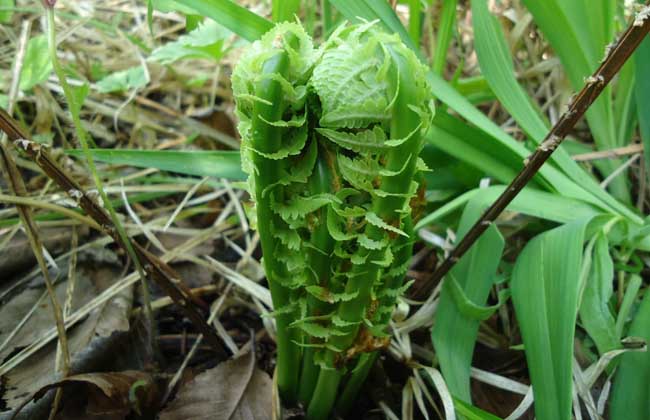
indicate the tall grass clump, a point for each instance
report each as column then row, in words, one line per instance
column 331, row 139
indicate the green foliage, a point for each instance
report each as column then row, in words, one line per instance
column 285, row 10
column 333, row 108
column 6, row 10
column 132, row 78
column 455, row 330
column 629, row 399
column 470, row 412
column 595, row 314
column 545, row 288
column 206, row 41
column 642, row 92
column 37, row 65
column 580, row 48
column 238, row 19
column 219, row 164
column 348, row 101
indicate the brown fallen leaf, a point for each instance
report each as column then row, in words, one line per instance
column 18, row 256
column 234, row 390
column 93, row 342
column 111, row 393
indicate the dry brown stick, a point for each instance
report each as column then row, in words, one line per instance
column 616, row 56
column 631, row 149
column 160, row 272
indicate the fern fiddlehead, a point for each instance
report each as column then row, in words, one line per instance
column 375, row 107
column 270, row 87
column 331, row 140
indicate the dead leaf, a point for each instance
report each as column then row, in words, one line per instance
column 92, row 342
column 112, row 393
column 19, row 256
column 234, row 390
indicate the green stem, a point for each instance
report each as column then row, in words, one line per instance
column 403, row 250
column 327, row 386
column 356, row 381
column 267, row 138
column 320, row 261
column 401, row 161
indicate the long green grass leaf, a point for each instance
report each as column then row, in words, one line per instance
column 285, row 10
column 445, row 32
column 238, row 19
column 631, row 391
column 454, row 333
column 218, row 164
column 545, row 285
column 375, row 10
column 531, row 202
column 470, row 412
column 595, row 314
column 625, row 103
column 496, row 65
column 448, row 95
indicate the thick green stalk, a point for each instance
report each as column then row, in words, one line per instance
column 356, row 381
column 267, row 139
column 326, row 390
column 401, row 161
column 403, row 250
column 319, row 257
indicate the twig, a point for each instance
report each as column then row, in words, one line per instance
column 615, row 58
column 620, row 170
column 631, row 149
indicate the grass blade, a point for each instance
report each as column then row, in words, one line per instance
column 625, row 103
column 470, row 412
column 595, row 314
column 496, row 65
column 415, row 21
column 454, row 333
column 545, row 295
column 450, row 97
column 238, row 19
column 218, row 164
column 285, row 10
column 531, row 202
column 372, row 10
column 445, row 32
column 630, row 394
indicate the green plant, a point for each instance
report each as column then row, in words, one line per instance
column 331, row 140
column 590, row 237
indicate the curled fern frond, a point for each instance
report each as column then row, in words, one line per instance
column 331, row 139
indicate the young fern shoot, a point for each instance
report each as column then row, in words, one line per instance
column 331, row 140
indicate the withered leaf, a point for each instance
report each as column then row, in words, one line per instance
column 234, row 390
